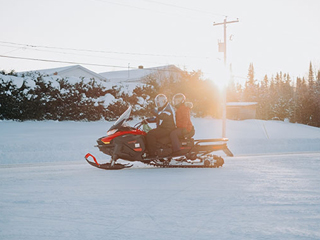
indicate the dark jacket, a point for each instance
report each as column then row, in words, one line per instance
column 164, row 118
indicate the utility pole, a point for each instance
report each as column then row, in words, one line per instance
column 223, row 48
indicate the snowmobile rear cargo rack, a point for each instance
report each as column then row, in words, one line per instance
column 221, row 144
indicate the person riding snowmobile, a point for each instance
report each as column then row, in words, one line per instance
column 164, row 118
column 183, row 121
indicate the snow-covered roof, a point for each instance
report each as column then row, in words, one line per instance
column 70, row 71
column 241, row 104
column 136, row 75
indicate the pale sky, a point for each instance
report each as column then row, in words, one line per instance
column 274, row 35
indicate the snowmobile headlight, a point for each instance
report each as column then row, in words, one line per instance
column 112, row 132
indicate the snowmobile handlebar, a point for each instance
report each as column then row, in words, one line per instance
column 139, row 124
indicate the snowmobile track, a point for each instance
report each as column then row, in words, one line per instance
column 183, row 166
column 204, row 165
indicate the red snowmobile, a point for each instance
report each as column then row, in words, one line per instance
column 129, row 143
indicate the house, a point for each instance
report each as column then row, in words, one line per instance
column 241, row 110
column 138, row 75
column 71, row 71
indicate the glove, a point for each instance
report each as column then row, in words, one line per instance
column 144, row 121
column 151, row 120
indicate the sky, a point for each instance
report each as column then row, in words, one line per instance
column 111, row 35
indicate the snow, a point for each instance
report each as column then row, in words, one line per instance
column 269, row 190
column 18, row 81
column 240, row 104
column 49, row 71
column 106, row 100
column 136, row 75
column 127, row 75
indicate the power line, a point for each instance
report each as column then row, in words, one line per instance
column 97, row 51
column 186, row 8
column 91, row 64
column 60, row 52
column 58, row 61
column 121, row 4
column 68, row 53
column 18, row 46
column 161, row 3
column 78, row 63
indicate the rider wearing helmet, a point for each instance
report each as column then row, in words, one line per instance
column 164, row 117
column 183, row 122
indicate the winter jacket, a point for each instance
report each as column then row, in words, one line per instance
column 164, row 118
column 183, row 117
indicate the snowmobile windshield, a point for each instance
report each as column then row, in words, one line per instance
column 121, row 120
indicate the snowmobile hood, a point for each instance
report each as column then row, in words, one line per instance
column 121, row 122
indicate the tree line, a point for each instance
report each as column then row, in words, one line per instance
column 38, row 98
column 277, row 96
column 281, row 97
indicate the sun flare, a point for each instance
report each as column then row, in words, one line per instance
column 221, row 77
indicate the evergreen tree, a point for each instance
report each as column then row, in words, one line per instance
column 302, row 101
column 232, row 92
column 250, row 92
column 263, row 108
column 38, row 98
column 311, row 77
column 313, row 99
column 9, row 105
column 317, row 101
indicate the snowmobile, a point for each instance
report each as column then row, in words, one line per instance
column 129, row 143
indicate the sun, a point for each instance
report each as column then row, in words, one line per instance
column 221, row 77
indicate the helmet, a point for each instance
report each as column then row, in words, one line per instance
column 160, row 100
column 178, row 99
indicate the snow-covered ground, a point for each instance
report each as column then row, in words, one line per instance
column 269, row 190
column 53, row 141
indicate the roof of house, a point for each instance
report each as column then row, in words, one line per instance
column 132, row 75
column 241, row 104
column 64, row 70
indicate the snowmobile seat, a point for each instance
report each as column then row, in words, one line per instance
column 167, row 140
column 164, row 140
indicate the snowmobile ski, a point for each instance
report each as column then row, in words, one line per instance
column 106, row 166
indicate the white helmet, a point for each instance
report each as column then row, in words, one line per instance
column 160, row 100
column 178, row 99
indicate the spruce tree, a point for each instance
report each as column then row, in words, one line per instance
column 250, row 93
column 263, row 109
column 317, row 100
column 313, row 99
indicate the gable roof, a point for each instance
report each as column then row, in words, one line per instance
column 136, row 75
column 71, row 71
